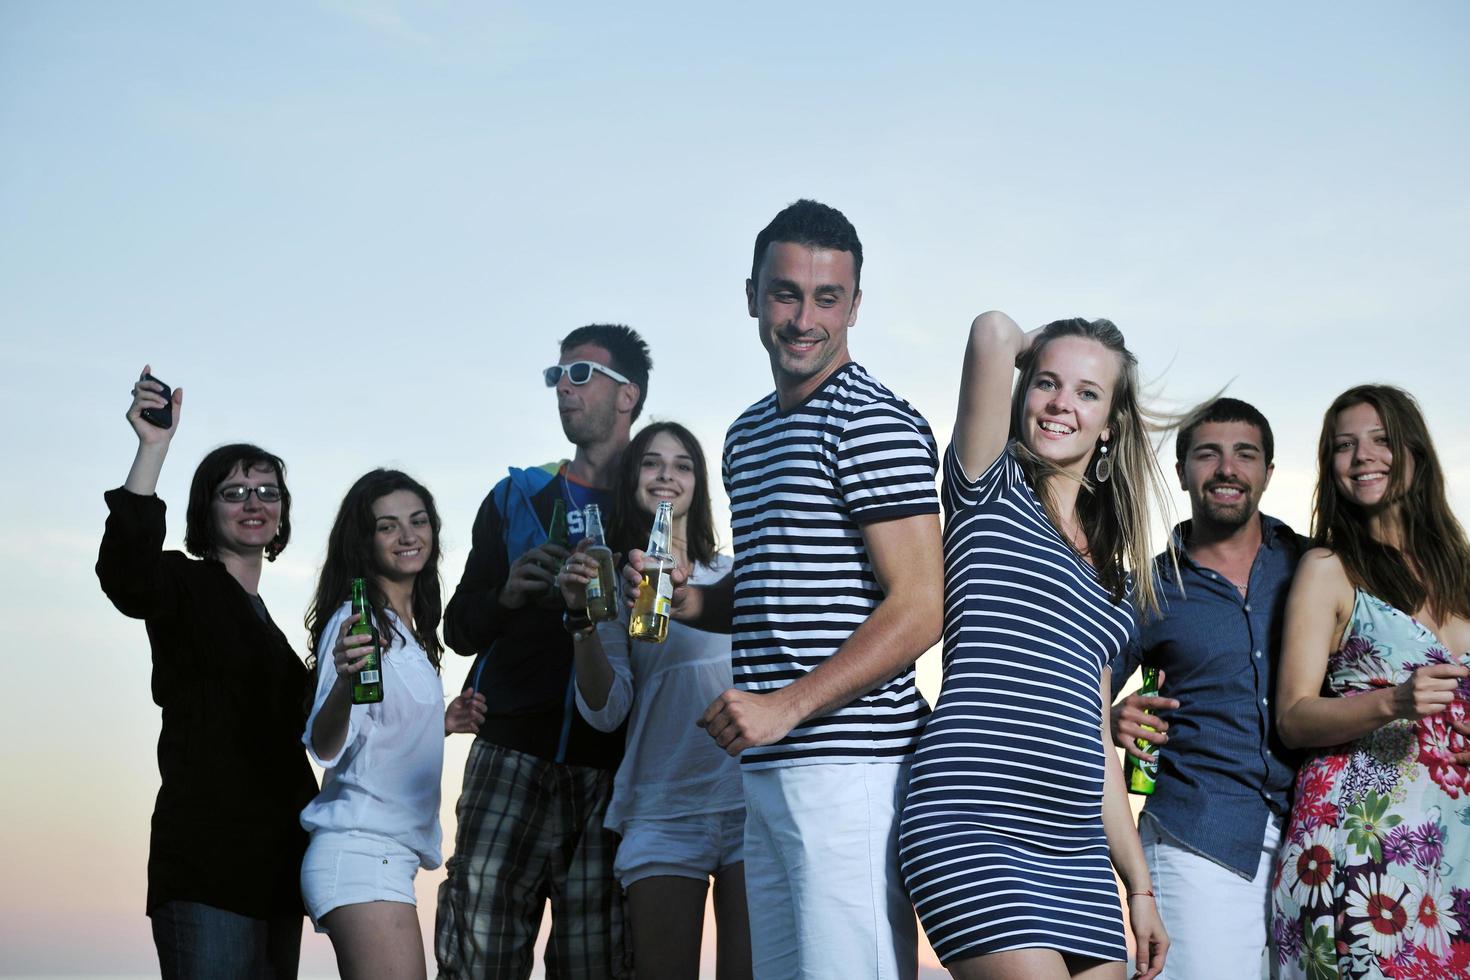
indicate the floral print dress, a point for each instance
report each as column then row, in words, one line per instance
column 1374, row 876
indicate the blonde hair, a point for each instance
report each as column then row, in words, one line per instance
column 1114, row 513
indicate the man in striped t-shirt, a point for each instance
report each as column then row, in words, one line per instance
column 837, row 589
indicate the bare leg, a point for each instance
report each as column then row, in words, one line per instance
column 377, row 940
column 1090, row 969
column 732, row 924
column 1013, row 964
column 667, row 914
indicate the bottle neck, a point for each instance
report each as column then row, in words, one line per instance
column 659, row 542
column 593, row 517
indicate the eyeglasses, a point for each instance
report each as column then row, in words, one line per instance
column 580, row 372
column 237, row 493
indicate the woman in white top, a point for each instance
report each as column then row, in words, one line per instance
column 376, row 820
column 677, row 799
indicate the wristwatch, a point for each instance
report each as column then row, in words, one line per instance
column 579, row 624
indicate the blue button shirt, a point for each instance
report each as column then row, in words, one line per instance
column 1223, row 771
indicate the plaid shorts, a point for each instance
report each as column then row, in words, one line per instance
column 530, row 830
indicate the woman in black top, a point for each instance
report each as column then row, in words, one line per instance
column 225, row 851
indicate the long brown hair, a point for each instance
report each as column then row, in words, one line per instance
column 350, row 556
column 629, row 524
column 1433, row 567
column 1114, row 513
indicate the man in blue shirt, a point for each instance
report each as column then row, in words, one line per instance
column 1213, row 825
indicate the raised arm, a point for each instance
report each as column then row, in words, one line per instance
column 983, row 421
column 331, row 725
column 600, row 654
column 1317, row 612
column 130, row 561
column 153, row 441
column 905, row 553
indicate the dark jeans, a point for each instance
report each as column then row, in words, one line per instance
column 200, row 942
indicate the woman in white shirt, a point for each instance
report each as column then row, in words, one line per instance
column 376, row 820
column 677, row 799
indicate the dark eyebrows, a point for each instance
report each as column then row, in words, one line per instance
column 790, row 285
column 1219, row 448
column 421, row 512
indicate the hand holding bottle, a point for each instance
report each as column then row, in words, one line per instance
column 683, row 604
column 350, row 651
column 1137, row 717
column 532, row 574
column 580, row 568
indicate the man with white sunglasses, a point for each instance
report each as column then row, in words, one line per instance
column 538, row 778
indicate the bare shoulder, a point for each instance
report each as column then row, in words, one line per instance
column 1321, row 564
column 1320, row 575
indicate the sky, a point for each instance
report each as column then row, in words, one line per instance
column 354, row 231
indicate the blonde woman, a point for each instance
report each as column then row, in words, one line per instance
column 1016, row 803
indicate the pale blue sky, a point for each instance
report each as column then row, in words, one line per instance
column 353, row 232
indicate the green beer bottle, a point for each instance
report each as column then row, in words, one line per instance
column 367, row 687
column 1141, row 774
column 558, row 535
column 561, row 537
column 602, row 591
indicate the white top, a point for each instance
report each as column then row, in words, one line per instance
column 385, row 781
column 671, row 768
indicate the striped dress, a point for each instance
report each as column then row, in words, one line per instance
column 1002, row 842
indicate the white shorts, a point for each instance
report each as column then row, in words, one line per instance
column 1219, row 923
column 825, row 895
column 351, row 868
column 695, row 846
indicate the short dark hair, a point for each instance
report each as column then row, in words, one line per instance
column 1225, row 410
column 209, row 474
column 814, row 225
column 629, row 353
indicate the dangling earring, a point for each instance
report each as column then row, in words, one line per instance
column 1104, row 467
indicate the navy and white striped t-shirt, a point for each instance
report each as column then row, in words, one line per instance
column 801, row 484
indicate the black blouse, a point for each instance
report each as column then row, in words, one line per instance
column 226, row 829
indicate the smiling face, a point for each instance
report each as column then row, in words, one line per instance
column 245, row 527
column 1068, row 401
column 1362, row 459
column 592, row 413
column 666, row 472
column 805, row 300
column 403, row 535
column 1225, row 473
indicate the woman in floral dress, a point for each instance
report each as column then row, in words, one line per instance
column 1374, row 879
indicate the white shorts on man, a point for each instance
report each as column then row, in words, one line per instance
column 1219, row 923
